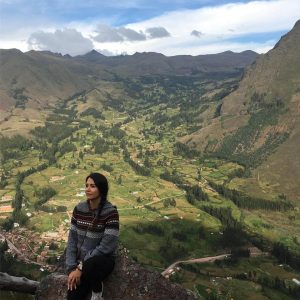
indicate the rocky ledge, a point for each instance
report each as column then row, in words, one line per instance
column 129, row 280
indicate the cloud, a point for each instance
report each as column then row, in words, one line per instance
column 66, row 41
column 108, row 34
column 106, row 52
column 192, row 46
column 196, row 33
column 131, row 35
column 243, row 18
column 157, row 32
column 202, row 29
column 237, row 25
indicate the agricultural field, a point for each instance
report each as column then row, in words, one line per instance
column 174, row 204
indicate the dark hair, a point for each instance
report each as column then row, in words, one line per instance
column 101, row 183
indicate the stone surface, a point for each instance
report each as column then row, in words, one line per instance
column 129, row 280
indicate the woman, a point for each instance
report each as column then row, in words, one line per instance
column 93, row 240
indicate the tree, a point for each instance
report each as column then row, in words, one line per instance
column 81, row 155
column 119, row 180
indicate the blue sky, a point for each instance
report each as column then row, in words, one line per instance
column 127, row 26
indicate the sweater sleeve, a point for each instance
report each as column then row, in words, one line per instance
column 109, row 242
column 71, row 252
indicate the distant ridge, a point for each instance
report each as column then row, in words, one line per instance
column 152, row 63
column 40, row 78
column 91, row 56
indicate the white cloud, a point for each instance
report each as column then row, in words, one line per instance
column 66, row 41
column 194, row 31
column 244, row 18
column 172, row 46
column 10, row 44
column 105, row 52
column 217, row 25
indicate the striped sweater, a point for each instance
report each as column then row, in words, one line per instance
column 92, row 233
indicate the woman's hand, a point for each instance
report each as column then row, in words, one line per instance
column 74, row 279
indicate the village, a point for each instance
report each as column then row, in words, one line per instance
column 43, row 249
column 33, row 247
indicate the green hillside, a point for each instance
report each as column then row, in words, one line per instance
column 258, row 123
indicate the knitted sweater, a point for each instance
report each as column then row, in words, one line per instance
column 92, row 233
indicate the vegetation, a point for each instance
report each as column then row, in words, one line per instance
column 174, row 203
column 245, row 201
column 233, row 146
column 43, row 195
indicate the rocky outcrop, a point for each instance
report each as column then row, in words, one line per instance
column 129, row 280
column 17, row 284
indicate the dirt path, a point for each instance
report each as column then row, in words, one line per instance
column 149, row 203
column 171, row 268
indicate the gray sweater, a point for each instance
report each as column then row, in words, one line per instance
column 92, row 232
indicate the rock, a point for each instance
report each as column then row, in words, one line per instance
column 52, row 287
column 129, row 280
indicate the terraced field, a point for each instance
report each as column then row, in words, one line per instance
column 169, row 206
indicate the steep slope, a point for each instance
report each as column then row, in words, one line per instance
column 261, row 118
column 273, row 77
column 36, row 79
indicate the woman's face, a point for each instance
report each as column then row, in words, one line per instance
column 91, row 190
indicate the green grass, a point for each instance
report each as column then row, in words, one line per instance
column 209, row 278
column 146, row 246
column 43, row 221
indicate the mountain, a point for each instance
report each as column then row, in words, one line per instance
column 92, row 56
column 40, row 78
column 259, row 123
column 37, row 79
column 150, row 63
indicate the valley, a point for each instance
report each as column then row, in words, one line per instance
column 174, row 202
column 201, row 153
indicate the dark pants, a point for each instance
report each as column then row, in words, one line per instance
column 94, row 270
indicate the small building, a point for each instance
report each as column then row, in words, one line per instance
column 7, row 198
column 56, row 178
column 6, row 208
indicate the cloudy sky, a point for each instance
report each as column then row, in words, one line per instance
column 171, row 27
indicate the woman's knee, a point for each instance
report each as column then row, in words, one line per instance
column 98, row 262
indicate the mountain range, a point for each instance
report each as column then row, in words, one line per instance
column 42, row 78
column 257, row 124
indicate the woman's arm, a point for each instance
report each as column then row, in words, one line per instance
column 109, row 241
column 71, row 253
